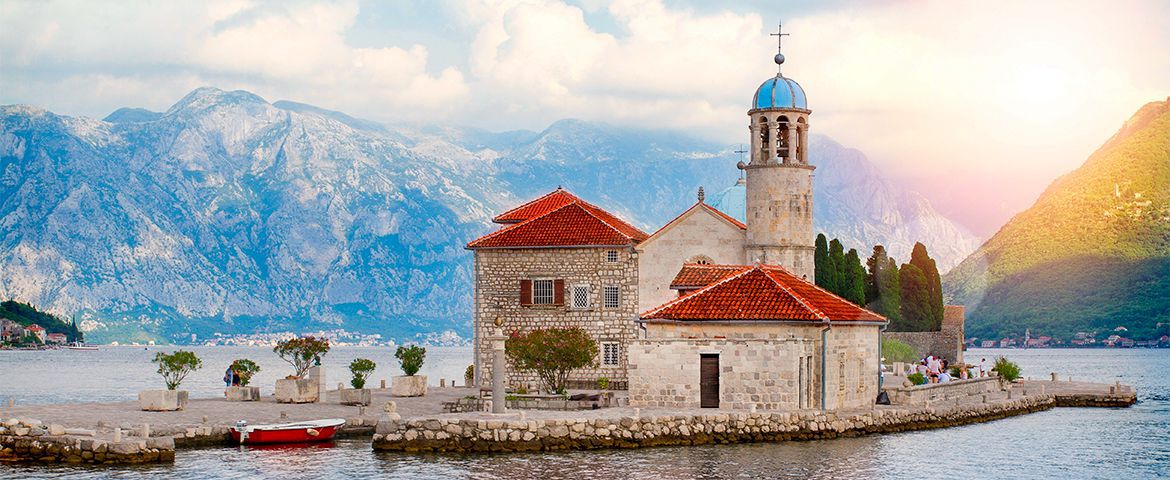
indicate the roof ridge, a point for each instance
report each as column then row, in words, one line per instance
column 671, row 222
column 822, row 290
column 794, row 295
column 725, row 216
column 537, row 199
column 696, row 293
column 513, row 226
column 602, row 220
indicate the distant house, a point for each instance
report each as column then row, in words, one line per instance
column 10, row 331
column 988, row 344
column 58, row 338
column 36, row 331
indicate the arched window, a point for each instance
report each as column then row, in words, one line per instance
column 765, row 137
column 782, row 137
column 701, row 260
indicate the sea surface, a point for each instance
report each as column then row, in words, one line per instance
column 1064, row 443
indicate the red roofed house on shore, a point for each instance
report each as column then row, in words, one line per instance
column 706, row 311
column 57, row 338
column 36, row 331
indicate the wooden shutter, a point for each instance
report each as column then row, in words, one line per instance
column 708, row 381
column 526, row 292
column 558, row 292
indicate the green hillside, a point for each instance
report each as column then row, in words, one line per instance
column 1093, row 253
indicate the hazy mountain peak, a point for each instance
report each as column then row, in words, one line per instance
column 204, row 98
column 132, row 115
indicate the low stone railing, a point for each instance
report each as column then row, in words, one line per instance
column 475, row 435
column 31, row 441
column 936, row 392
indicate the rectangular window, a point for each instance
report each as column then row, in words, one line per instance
column 610, row 354
column 613, row 296
column 542, row 292
column 580, row 296
column 611, row 256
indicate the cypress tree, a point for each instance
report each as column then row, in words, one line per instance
column 890, row 288
column 916, row 311
column 821, row 261
column 837, row 269
column 921, row 259
column 873, row 265
column 855, row 278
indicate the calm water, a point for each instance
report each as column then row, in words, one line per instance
column 1061, row 443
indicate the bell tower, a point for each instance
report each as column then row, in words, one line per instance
column 779, row 178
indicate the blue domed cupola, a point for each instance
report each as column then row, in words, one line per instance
column 780, row 92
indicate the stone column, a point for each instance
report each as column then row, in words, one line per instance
column 793, row 143
column 318, row 374
column 499, row 400
column 755, row 153
column 804, row 141
column 773, row 131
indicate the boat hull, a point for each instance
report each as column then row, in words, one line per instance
column 276, row 434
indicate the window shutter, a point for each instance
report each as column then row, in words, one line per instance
column 558, row 292
column 526, row 292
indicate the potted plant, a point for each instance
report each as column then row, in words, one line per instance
column 1007, row 371
column 361, row 369
column 302, row 353
column 174, row 367
column 469, row 375
column 239, row 391
column 411, row 360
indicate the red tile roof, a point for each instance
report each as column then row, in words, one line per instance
column 694, row 275
column 34, row 327
column 759, row 292
column 573, row 224
column 549, row 202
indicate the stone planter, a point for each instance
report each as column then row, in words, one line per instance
column 162, row 400
column 300, row 390
column 243, row 394
column 355, row 396
column 409, row 386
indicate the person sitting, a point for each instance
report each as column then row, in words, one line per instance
column 944, row 377
column 963, row 375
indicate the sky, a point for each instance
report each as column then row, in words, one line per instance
column 977, row 105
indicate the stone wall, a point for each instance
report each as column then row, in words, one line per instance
column 30, row 441
column 779, row 216
column 760, row 364
column 498, row 274
column 944, row 344
column 926, row 394
column 696, row 233
column 475, row 435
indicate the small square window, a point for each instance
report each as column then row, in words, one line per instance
column 581, row 296
column 613, row 296
column 612, row 256
column 542, row 292
column 610, row 354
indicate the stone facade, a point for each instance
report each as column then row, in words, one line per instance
column 498, row 274
column 697, row 235
column 770, row 365
column 946, row 343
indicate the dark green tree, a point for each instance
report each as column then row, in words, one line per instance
column 921, row 259
column 916, row 311
column 873, row 266
column 837, row 269
column 889, row 302
column 855, row 278
column 821, row 262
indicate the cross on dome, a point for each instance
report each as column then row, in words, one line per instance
column 779, row 58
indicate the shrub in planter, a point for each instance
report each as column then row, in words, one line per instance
column 916, row 378
column 1007, row 369
column 174, row 368
column 244, row 370
column 361, row 369
column 411, row 360
column 603, row 383
column 469, row 375
column 301, row 353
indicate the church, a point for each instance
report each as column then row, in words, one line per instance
column 707, row 311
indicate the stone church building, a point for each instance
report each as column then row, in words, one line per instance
column 706, row 311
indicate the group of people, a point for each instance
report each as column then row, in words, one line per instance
column 937, row 370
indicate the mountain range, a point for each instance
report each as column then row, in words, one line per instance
column 227, row 213
column 1091, row 255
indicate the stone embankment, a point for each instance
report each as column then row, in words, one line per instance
column 26, row 440
column 637, row 431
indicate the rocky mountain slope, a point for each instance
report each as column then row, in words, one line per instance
column 1092, row 254
column 230, row 214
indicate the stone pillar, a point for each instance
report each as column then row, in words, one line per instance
column 793, row 143
column 773, row 131
column 804, row 143
column 755, row 138
column 499, row 375
column 318, row 374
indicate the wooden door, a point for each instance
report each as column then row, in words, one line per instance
column 709, row 380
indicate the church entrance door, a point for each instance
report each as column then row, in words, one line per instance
column 709, row 380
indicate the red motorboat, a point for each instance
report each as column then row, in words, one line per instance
column 296, row 432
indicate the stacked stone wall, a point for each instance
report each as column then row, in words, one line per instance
column 946, row 344
column 498, row 274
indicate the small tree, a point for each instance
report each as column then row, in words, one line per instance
column 411, row 358
column 245, row 369
column 469, row 374
column 1007, row 369
column 175, row 367
column 361, row 369
column 552, row 354
column 301, row 352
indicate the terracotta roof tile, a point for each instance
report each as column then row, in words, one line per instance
column 547, row 203
column 760, row 292
column 576, row 223
column 694, row 275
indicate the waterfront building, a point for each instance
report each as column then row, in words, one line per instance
column 704, row 304
column 57, row 338
column 10, row 331
column 36, row 331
